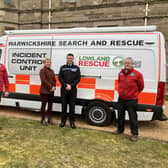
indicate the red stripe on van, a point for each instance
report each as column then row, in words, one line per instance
column 87, row 83
column 83, row 34
column 147, row 98
column 107, row 95
column 12, row 87
column 116, row 84
column 34, row 89
column 22, row 79
column 58, row 84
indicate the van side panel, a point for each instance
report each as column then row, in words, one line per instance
column 100, row 57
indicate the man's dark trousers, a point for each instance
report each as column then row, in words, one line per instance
column 68, row 97
column 130, row 106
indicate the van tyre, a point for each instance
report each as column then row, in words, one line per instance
column 98, row 114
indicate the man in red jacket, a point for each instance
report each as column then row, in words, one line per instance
column 130, row 84
column 4, row 82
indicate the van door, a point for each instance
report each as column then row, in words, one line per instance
column 25, row 57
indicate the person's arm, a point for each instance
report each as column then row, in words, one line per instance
column 54, row 80
column 78, row 76
column 61, row 79
column 118, row 81
column 140, row 82
column 6, row 81
column 44, row 80
column 119, row 77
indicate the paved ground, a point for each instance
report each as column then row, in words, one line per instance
column 152, row 129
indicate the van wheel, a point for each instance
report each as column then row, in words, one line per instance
column 98, row 113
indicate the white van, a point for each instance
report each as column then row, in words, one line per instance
column 99, row 52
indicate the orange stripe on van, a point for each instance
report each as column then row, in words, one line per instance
column 12, row 87
column 34, row 89
column 147, row 98
column 22, row 79
column 107, row 95
column 58, row 84
column 116, row 84
column 87, row 83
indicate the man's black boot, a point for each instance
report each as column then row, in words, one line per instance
column 62, row 124
column 72, row 124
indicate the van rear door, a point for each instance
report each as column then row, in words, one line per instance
column 25, row 56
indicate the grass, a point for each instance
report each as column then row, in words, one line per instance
column 28, row 144
column 166, row 97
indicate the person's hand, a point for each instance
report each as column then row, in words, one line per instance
column 6, row 94
column 53, row 89
column 68, row 87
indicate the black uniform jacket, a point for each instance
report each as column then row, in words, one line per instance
column 69, row 74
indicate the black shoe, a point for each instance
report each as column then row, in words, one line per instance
column 62, row 124
column 72, row 124
column 43, row 122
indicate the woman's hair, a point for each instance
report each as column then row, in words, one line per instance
column 47, row 59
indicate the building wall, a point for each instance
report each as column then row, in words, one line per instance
column 33, row 14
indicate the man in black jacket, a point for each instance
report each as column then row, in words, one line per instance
column 69, row 76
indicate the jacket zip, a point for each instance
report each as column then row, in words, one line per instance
column 125, row 80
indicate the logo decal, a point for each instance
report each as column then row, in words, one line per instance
column 132, row 74
column 118, row 61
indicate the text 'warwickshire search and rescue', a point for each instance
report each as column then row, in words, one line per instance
column 27, row 56
column 76, row 43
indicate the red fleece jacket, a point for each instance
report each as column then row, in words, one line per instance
column 130, row 84
column 3, row 78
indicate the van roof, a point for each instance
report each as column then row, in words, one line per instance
column 85, row 30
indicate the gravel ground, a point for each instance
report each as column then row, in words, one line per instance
column 152, row 129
